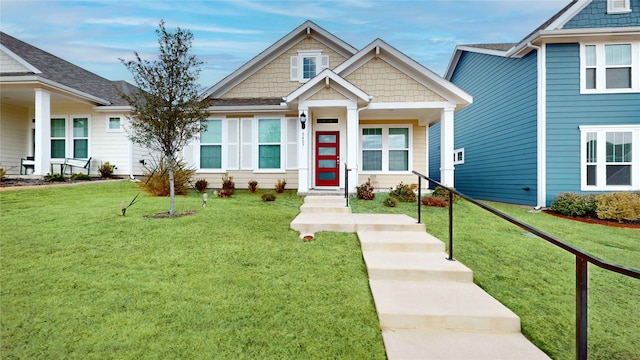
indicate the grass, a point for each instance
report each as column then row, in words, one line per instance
column 536, row 280
column 230, row 282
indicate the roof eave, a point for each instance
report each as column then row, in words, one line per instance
column 36, row 80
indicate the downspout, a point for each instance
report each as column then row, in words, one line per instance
column 541, row 126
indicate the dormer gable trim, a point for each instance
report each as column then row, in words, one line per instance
column 325, row 78
column 307, row 29
column 20, row 60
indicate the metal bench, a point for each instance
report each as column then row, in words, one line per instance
column 73, row 162
column 27, row 163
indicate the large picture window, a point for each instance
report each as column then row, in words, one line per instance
column 211, row 145
column 386, row 148
column 269, row 144
column 610, row 67
column 610, row 157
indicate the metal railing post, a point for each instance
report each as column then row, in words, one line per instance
column 450, row 226
column 346, row 184
column 581, row 308
column 419, row 200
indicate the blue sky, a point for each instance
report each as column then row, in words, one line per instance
column 94, row 34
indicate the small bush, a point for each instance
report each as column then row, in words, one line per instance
column 572, row 204
column 224, row 193
column 253, row 186
column 618, row 206
column 54, row 178
column 267, row 197
column 80, row 176
column 228, row 186
column 106, row 170
column 280, row 186
column 444, row 193
column 390, row 201
column 403, row 192
column 201, row 185
column 156, row 181
column 434, row 201
column 3, row 173
column 365, row 191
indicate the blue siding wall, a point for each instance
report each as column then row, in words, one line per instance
column 499, row 130
column 567, row 109
column 595, row 16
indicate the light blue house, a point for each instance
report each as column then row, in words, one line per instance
column 557, row 112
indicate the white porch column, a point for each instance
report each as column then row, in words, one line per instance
column 43, row 132
column 446, row 147
column 352, row 147
column 304, row 179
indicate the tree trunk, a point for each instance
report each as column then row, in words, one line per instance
column 172, row 188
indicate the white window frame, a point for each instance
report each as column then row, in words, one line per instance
column 618, row 6
column 72, row 137
column 458, row 156
column 108, row 123
column 223, row 154
column 65, row 137
column 385, row 147
column 297, row 64
column 257, row 143
column 601, row 68
column 601, row 157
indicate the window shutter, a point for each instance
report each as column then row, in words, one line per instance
column 294, row 68
column 292, row 143
column 324, row 62
column 232, row 144
column 247, row 144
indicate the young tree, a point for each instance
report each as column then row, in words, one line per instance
column 167, row 112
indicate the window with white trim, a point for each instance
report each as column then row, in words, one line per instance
column 307, row 64
column 211, row 145
column 385, row 148
column 81, row 137
column 610, row 68
column 458, row 156
column 269, row 144
column 114, row 123
column 610, row 157
column 58, row 138
column 618, row 6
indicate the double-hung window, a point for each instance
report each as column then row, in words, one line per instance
column 211, row 145
column 58, row 135
column 385, row 148
column 269, row 144
column 610, row 68
column 81, row 137
column 610, row 157
column 307, row 64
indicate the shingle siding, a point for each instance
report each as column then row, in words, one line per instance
column 499, row 130
column 567, row 109
column 595, row 15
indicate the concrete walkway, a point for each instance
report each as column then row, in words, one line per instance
column 428, row 307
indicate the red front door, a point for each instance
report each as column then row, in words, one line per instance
column 328, row 158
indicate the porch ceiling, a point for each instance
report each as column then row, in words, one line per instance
column 24, row 96
column 424, row 116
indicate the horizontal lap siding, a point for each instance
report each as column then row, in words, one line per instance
column 498, row 131
column 14, row 137
column 567, row 110
column 266, row 181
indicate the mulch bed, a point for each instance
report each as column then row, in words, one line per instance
column 165, row 215
column 631, row 224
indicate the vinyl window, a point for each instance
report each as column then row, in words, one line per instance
column 211, row 145
column 386, row 148
column 610, row 68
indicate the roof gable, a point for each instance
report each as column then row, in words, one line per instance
column 328, row 78
column 307, row 30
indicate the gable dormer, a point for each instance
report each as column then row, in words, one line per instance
column 618, row 6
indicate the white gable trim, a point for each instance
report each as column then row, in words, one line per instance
column 453, row 63
column 568, row 15
column 323, row 77
column 20, row 60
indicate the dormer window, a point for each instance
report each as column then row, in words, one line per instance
column 307, row 64
column 618, row 6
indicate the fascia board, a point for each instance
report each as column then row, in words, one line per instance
column 37, row 80
column 457, row 53
column 327, row 73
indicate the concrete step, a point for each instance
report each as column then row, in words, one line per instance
column 396, row 241
column 447, row 345
column 423, row 305
column 423, row 266
column 330, row 199
column 324, row 208
column 310, row 223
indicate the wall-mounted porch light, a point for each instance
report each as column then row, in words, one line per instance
column 303, row 119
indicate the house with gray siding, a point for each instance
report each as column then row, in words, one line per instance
column 558, row 111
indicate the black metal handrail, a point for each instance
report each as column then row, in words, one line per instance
column 582, row 258
column 346, row 183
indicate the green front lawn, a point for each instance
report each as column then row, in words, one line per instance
column 536, row 280
column 232, row 281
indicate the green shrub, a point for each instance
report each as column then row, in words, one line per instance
column 572, row 204
column 441, row 192
column 3, row 173
column 618, row 206
column 267, row 197
column 365, row 191
column 404, row 192
column 80, row 176
column 228, row 186
column 106, row 170
column 253, row 185
column 390, row 201
column 54, row 178
column 156, row 181
column 201, row 185
column 434, row 201
column 280, row 185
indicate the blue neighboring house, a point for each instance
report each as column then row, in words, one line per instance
column 556, row 112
